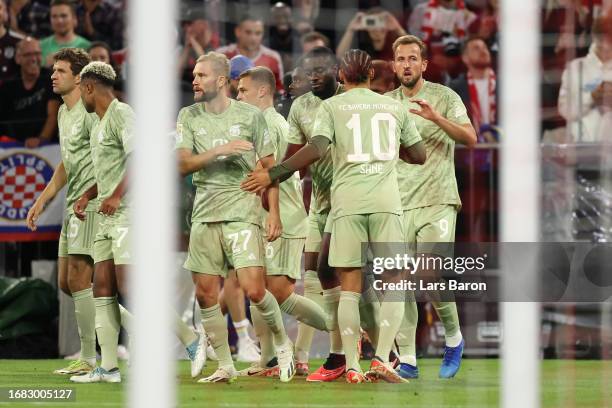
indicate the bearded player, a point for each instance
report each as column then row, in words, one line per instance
column 221, row 141
column 365, row 131
column 430, row 199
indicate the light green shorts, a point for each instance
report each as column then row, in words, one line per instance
column 427, row 229
column 351, row 233
column 216, row 245
column 77, row 237
column 284, row 257
column 316, row 227
column 113, row 241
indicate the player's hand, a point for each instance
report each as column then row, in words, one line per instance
column 256, row 181
column 110, row 205
column 79, row 207
column 33, row 214
column 274, row 227
column 426, row 112
column 32, row 142
column 233, row 147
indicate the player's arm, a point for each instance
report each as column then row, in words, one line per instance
column 80, row 204
column 460, row 133
column 57, row 182
column 412, row 148
column 310, row 153
column 190, row 162
column 414, row 154
column 275, row 227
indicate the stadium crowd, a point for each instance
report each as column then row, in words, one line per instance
column 462, row 36
column 272, row 35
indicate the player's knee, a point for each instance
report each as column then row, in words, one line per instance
column 255, row 293
column 206, row 297
column 63, row 285
column 77, row 283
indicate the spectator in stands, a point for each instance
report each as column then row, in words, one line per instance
column 99, row 20
column 305, row 12
column 63, row 24
column 28, row 106
column 100, row 51
column 487, row 24
column 384, row 78
column 197, row 41
column 30, row 17
column 441, row 21
column 478, row 88
column 8, row 44
column 282, row 38
column 238, row 64
column 585, row 99
column 313, row 39
column 376, row 31
column 249, row 35
column 298, row 85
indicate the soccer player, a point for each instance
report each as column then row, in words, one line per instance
column 284, row 255
column 321, row 69
column 430, row 199
column 365, row 131
column 221, row 141
column 110, row 144
column 75, row 263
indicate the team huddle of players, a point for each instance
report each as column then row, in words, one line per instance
column 382, row 172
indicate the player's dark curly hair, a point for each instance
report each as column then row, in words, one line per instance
column 356, row 66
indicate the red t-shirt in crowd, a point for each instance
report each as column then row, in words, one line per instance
column 265, row 58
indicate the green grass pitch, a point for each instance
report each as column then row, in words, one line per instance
column 564, row 384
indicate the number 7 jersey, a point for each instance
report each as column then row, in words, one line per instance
column 365, row 130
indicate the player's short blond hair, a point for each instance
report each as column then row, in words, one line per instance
column 100, row 71
column 220, row 63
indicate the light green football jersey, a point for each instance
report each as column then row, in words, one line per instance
column 301, row 121
column 365, row 130
column 111, row 143
column 74, row 133
column 218, row 193
column 291, row 202
column 434, row 182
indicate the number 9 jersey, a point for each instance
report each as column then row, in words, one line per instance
column 365, row 130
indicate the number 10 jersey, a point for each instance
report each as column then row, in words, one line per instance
column 365, row 130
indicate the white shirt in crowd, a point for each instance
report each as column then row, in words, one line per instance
column 586, row 122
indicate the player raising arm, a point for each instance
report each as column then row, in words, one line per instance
column 365, row 131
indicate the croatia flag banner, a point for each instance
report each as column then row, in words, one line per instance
column 24, row 173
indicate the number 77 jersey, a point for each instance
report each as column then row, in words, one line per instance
column 366, row 130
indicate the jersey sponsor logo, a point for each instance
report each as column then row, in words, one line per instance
column 23, row 176
column 234, row 130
